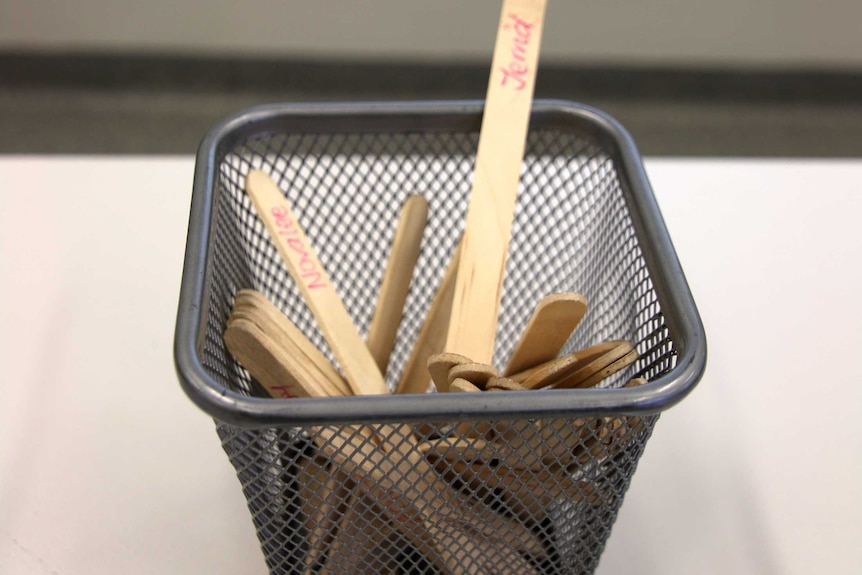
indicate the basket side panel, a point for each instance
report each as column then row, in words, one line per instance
column 572, row 232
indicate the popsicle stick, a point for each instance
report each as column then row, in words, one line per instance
column 547, row 373
column 337, row 326
column 432, row 335
column 297, row 350
column 477, row 374
column 322, row 488
column 396, row 280
column 462, row 385
column 555, row 318
column 440, row 365
column 293, row 351
column 598, row 359
column 502, row 140
column 538, row 441
column 383, row 460
column 503, row 384
column 455, row 448
column 614, row 367
column 249, row 344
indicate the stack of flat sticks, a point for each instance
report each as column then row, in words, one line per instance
column 384, row 485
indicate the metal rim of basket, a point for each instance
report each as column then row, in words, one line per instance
column 671, row 288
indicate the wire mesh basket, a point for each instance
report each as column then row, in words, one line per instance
column 370, row 484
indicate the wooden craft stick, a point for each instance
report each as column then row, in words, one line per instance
column 384, row 461
column 547, row 373
column 296, row 352
column 539, row 442
column 337, row 326
column 598, row 359
column 432, row 335
column 462, row 385
column 477, row 374
column 440, row 365
column 555, row 318
column 455, row 448
column 502, row 140
column 614, row 367
column 396, row 280
column 456, row 384
column 280, row 377
column 503, row 384
column 322, row 488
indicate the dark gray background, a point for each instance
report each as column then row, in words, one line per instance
column 86, row 103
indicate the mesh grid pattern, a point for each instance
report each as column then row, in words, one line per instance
column 545, row 501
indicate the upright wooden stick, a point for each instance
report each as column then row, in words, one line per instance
column 479, row 285
column 432, row 336
column 396, row 280
column 338, row 328
column 552, row 323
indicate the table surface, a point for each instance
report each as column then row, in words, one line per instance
column 106, row 466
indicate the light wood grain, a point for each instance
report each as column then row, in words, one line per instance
column 463, row 385
column 609, row 370
column 502, row 140
column 595, row 363
column 384, row 462
column 295, row 248
column 293, row 350
column 432, row 336
column 251, row 345
column 546, row 374
column 396, row 280
column 476, row 373
column 439, row 366
column 555, row 318
column 503, row 384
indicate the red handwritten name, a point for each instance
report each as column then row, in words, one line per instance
column 281, row 390
column 517, row 69
column 309, row 269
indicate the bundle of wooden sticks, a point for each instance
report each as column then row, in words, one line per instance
column 399, row 479
column 425, row 485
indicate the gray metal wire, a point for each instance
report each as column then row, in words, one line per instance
column 572, row 232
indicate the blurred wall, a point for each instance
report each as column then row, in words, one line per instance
column 807, row 33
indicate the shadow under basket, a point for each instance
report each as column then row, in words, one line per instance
column 586, row 221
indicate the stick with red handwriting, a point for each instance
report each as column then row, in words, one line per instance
column 479, row 284
column 337, row 326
